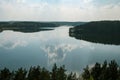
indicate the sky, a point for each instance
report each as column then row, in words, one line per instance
column 59, row 10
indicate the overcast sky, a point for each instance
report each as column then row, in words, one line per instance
column 59, row 10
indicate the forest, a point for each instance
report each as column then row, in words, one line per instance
column 31, row 26
column 103, row 71
column 105, row 32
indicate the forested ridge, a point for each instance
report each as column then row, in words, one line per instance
column 31, row 26
column 106, row 32
column 100, row 27
column 37, row 24
column 25, row 24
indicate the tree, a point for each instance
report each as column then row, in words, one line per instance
column 96, row 71
column 20, row 74
column 34, row 73
column 113, row 70
column 104, row 71
column 5, row 74
column 72, row 76
column 61, row 73
column 54, row 72
column 86, row 73
column 45, row 75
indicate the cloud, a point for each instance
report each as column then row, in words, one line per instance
column 21, row 1
column 87, row 1
column 57, row 53
column 69, row 10
column 109, row 12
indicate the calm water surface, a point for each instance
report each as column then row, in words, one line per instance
column 45, row 48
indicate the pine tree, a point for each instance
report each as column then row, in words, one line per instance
column 54, row 72
column 96, row 71
column 5, row 74
column 20, row 74
column 86, row 73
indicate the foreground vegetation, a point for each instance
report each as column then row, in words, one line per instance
column 105, row 71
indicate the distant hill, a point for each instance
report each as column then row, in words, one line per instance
column 26, row 24
column 101, row 27
column 30, row 26
column 26, row 27
column 106, row 32
column 37, row 24
column 69, row 23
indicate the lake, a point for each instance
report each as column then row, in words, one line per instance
column 44, row 48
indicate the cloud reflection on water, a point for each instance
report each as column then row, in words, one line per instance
column 57, row 53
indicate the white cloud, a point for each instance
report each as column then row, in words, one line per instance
column 109, row 12
column 78, row 10
column 87, row 1
column 21, row 1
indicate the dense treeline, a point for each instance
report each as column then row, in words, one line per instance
column 37, row 73
column 106, row 32
column 100, row 27
column 37, row 24
column 27, row 26
column 105, row 71
column 69, row 23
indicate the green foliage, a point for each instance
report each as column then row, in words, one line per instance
column 37, row 73
column 72, row 76
column 34, row 73
column 58, row 73
column 20, row 74
column 5, row 74
column 86, row 73
column 105, row 71
column 96, row 71
column 54, row 73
